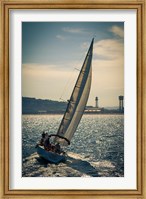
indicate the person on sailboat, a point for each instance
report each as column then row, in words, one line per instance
column 47, row 144
column 57, row 148
column 42, row 141
column 46, row 135
column 43, row 134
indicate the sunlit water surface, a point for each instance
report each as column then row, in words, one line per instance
column 96, row 150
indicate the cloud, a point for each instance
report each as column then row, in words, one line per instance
column 109, row 49
column 117, row 31
column 73, row 30
column 60, row 37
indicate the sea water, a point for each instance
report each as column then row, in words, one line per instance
column 96, row 149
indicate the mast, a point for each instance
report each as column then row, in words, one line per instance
column 78, row 100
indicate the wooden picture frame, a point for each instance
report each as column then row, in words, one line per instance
column 139, row 5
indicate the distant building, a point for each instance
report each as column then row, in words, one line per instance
column 121, row 103
column 91, row 109
column 42, row 111
column 101, row 110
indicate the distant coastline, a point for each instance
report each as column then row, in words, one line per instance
column 41, row 107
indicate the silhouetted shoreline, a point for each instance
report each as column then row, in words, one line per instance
column 33, row 106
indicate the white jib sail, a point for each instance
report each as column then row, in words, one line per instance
column 78, row 100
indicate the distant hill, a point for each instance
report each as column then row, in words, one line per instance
column 39, row 106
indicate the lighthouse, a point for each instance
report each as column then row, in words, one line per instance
column 96, row 102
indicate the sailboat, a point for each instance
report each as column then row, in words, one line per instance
column 74, row 111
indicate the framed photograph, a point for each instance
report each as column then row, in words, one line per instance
column 72, row 100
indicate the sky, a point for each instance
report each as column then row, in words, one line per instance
column 53, row 54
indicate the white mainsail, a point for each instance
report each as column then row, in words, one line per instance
column 78, row 100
